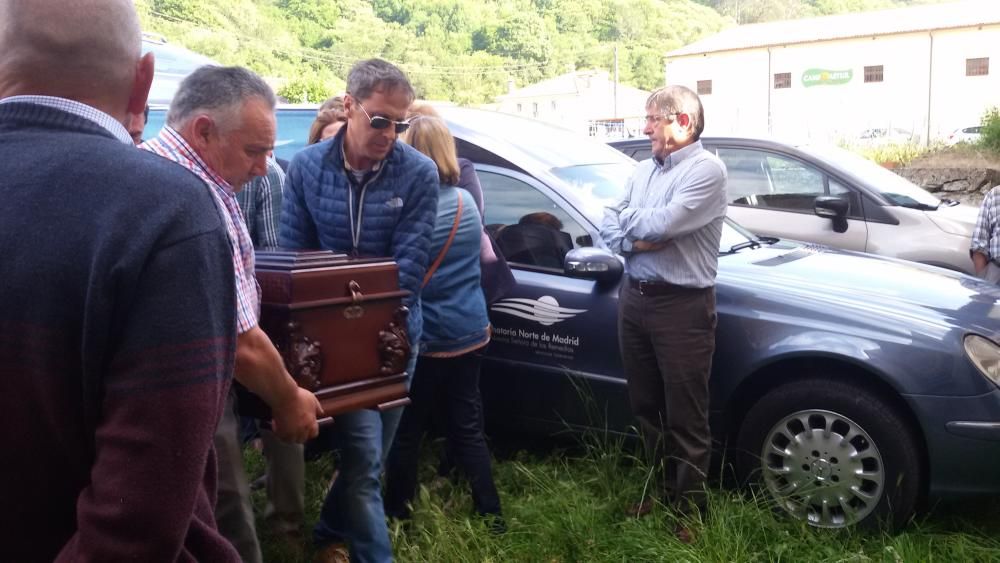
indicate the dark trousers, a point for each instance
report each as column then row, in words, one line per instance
column 449, row 386
column 667, row 341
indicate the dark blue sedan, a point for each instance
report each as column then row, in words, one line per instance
column 850, row 385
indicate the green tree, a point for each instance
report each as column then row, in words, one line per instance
column 308, row 90
column 990, row 136
column 459, row 50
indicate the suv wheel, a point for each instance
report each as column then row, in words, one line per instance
column 832, row 454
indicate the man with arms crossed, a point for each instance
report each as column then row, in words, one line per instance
column 368, row 195
column 668, row 227
column 116, row 314
column 221, row 127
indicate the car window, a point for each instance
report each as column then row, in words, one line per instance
column 792, row 177
column 597, row 185
column 773, row 181
column 157, row 118
column 892, row 186
column 529, row 228
column 293, row 131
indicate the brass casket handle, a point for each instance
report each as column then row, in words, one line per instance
column 355, row 310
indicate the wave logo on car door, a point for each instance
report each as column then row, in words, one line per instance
column 545, row 310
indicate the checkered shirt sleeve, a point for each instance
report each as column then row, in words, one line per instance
column 986, row 235
column 169, row 144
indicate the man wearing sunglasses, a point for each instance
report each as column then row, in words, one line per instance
column 365, row 194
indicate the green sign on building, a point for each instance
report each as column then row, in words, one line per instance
column 822, row 77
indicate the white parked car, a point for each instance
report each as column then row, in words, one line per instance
column 887, row 136
column 827, row 195
column 965, row 135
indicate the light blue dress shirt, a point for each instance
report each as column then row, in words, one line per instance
column 681, row 202
column 78, row 109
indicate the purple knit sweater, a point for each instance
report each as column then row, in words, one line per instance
column 116, row 347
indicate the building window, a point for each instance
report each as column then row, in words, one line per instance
column 704, row 87
column 873, row 73
column 553, row 105
column 518, row 108
column 534, row 109
column 782, row 80
column 977, row 67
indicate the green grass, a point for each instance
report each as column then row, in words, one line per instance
column 567, row 505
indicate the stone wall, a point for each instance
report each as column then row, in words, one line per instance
column 963, row 184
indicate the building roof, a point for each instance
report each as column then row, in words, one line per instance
column 571, row 83
column 966, row 13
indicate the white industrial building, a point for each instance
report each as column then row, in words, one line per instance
column 925, row 70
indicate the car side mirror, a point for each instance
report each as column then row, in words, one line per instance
column 593, row 263
column 834, row 208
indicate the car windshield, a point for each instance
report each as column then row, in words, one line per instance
column 171, row 59
column 892, row 186
column 601, row 182
column 601, row 185
column 172, row 64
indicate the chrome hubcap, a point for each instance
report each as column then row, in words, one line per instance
column 823, row 468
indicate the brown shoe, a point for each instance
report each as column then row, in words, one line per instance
column 640, row 509
column 333, row 553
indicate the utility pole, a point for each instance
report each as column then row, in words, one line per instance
column 616, row 82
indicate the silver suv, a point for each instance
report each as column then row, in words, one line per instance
column 827, row 195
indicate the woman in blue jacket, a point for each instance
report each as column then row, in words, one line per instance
column 456, row 328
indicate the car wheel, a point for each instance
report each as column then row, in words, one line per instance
column 832, row 454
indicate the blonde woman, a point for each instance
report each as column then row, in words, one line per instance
column 329, row 120
column 456, row 328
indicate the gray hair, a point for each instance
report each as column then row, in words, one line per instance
column 376, row 75
column 219, row 92
column 679, row 99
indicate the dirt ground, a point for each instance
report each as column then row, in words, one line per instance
column 959, row 156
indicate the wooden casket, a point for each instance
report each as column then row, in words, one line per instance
column 340, row 325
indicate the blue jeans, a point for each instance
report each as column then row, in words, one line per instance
column 352, row 510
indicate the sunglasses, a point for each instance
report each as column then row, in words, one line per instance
column 379, row 122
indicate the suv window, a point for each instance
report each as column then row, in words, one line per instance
column 528, row 226
column 769, row 180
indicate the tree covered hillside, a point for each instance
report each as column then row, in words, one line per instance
column 462, row 50
column 467, row 51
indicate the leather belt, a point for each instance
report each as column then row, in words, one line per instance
column 658, row 287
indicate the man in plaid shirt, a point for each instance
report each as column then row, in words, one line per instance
column 221, row 127
column 985, row 247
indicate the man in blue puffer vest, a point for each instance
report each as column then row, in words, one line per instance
column 363, row 193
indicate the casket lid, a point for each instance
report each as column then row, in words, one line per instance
column 285, row 259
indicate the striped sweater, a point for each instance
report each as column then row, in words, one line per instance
column 116, row 347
